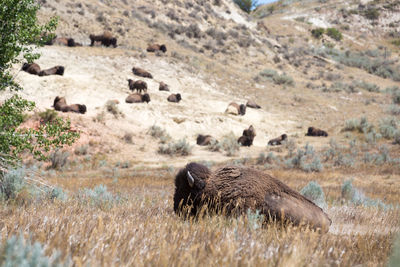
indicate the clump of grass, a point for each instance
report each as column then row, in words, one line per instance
column 255, row 219
column 394, row 91
column 272, row 75
column 314, row 192
column 128, row 138
column 82, row 150
column 12, row 183
column 305, row 159
column 228, row 144
column 388, row 127
column 112, row 108
column 394, row 110
column 317, row 33
column 58, row 159
column 361, row 125
column 334, row 34
column 159, row 133
column 98, row 197
column 17, row 251
column 180, row 148
column 49, row 115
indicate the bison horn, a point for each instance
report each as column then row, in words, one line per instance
column 190, row 179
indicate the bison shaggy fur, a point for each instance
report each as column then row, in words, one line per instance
column 137, row 98
column 235, row 190
column 236, row 109
column 247, row 136
column 204, row 140
column 174, row 98
column 106, row 39
column 138, row 85
column 31, row 68
column 278, row 140
column 142, row 73
column 252, row 104
column 156, row 47
column 60, row 104
column 312, row 131
column 57, row 70
column 163, row 87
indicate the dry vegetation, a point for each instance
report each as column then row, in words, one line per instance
column 348, row 87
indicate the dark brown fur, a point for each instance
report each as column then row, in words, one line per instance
column 138, row 85
column 31, row 68
column 204, row 140
column 247, row 136
column 142, row 73
column 137, row 98
column 57, row 70
column 106, row 39
column 60, row 104
column 252, row 104
column 237, row 109
column 163, row 87
column 235, row 190
column 156, row 47
column 278, row 140
column 174, row 98
column 312, row 131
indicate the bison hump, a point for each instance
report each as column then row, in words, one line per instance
column 230, row 172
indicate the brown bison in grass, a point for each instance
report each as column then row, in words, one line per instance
column 252, row 104
column 60, row 104
column 64, row 41
column 277, row 141
column 163, row 87
column 106, row 39
column 175, row 98
column 138, row 85
column 156, row 47
column 204, row 140
column 142, row 73
column 247, row 137
column 57, row 70
column 137, row 98
column 234, row 190
column 31, row 68
column 316, row 132
column 236, row 109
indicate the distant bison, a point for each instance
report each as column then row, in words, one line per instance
column 174, row 98
column 163, row 87
column 316, row 132
column 247, row 137
column 204, row 140
column 234, row 190
column 137, row 98
column 156, row 47
column 57, row 70
column 64, row 41
column 252, row 104
column 236, row 109
column 106, row 39
column 138, row 85
column 60, row 104
column 142, row 73
column 278, row 140
column 31, row 68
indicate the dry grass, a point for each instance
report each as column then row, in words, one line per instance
column 143, row 230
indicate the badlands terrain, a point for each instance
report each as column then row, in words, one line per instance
column 217, row 54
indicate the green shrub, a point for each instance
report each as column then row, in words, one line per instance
column 11, row 183
column 98, row 197
column 159, row 133
column 181, row 148
column 396, row 42
column 17, row 251
column 314, row 192
column 246, row 5
column 354, row 196
column 112, row 108
column 394, row 91
column 371, row 13
column 274, row 76
column 334, row 34
column 394, row 259
column 50, row 115
column 362, row 125
column 58, row 159
column 305, row 159
column 317, row 33
column 255, row 219
column 388, row 127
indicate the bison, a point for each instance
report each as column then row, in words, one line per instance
column 60, row 104
column 252, row 104
column 138, row 85
column 142, row 73
column 156, row 47
column 312, row 131
column 106, row 39
column 137, row 98
column 234, row 190
column 163, row 87
column 205, row 140
column 31, row 68
column 247, row 136
column 236, row 109
column 278, row 140
column 57, row 70
column 174, row 98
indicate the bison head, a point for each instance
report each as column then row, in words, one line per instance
column 189, row 185
column 25, row 66
column 163, row 48
column 146, row 98
column 178, row 97
column 283, row 137
column 113, row 41
column 242, row 110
